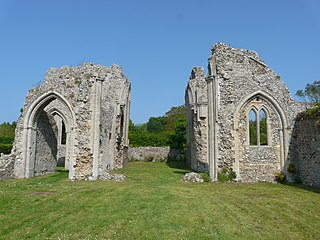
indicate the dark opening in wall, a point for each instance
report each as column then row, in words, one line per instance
column 63, row 134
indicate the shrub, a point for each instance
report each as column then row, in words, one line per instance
column 205, row 176
column 314, row 111
column 226, row 175
column 280, row 177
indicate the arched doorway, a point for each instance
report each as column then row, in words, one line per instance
column 47, row 119
column 260, row 138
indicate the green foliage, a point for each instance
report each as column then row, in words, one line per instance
column 314, row 111
column 205, row 176
column 7, row 132
column 178, row 138
column 226, row 175
column 311, row 113
column 174, row 115
column 280, row 177
column 263, row 132
column 156, row 124
column 139, row 136
column 253, row 132
column 6, row 140
column 5, row 148
column 311, row 92
column 168, row 130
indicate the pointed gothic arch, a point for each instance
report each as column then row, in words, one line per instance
column 276, row 130
column 34, row 115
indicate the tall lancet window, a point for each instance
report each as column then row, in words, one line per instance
column 253, row 127
column 263, row 127
column 258, row 130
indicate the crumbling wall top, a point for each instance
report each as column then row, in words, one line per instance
column 222, row 48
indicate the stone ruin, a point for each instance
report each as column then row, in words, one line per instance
column 78, row 117
column 241, row 116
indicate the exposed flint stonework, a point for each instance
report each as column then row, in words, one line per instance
column 197, row 120
column 155, row 154
column 78, row 117
column 304, row 164
column 218, row 116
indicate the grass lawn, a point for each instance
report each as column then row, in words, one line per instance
column 153, row 204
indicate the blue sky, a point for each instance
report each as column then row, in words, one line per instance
column 156, row 42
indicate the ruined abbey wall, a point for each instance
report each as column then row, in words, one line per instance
column 240, row 116
column 196, row 102
column 89, row 105
column 239, row 82
column 304, row 161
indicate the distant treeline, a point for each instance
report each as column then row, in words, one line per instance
column 7, row 136
column 167, row 130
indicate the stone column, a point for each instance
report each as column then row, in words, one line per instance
column 30, row 151
column 212, row 141
column 66, row 154
column 96, row 128
column 283, row 153
column 70, row 157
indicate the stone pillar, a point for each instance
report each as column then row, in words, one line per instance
column 212, row 138
column 96, row 128
column 67, row 155
column 30, row 151
column 70, row 157
column 283, row 152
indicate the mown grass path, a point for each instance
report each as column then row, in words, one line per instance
column 153, row 204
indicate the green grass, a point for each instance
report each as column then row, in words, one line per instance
column 153, row 204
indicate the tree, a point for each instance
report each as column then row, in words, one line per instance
column 156, row 124
column 173, row 116
column 311, row 92
column 178, row 139
column 167, row 130
column 7, row 132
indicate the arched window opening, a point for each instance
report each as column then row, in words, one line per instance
column 253, row 127
column 263, row 127
column 258, row 130
column 63, row 134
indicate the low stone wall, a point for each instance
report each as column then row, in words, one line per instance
column 305, row 153
column 154, row 154
column 6, row 166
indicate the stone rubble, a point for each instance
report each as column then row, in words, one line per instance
column 116, row 177
column 192, row 177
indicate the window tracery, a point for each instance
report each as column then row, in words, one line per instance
column 258, row 125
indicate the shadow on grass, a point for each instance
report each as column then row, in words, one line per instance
column 60, row 174
column 180, row 166
column 304, row 187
